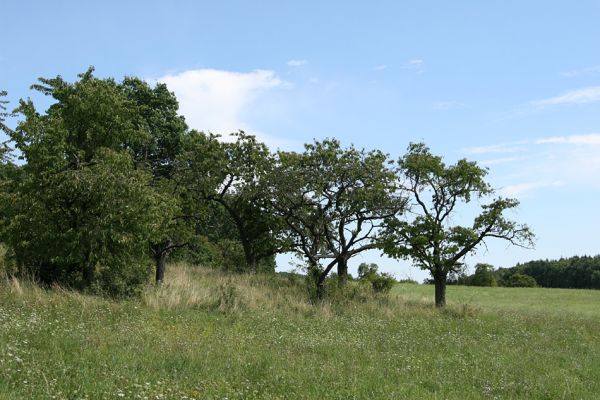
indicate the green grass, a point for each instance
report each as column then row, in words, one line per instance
column 211, row 336
column 551, row 302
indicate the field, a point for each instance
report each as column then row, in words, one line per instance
column 206, row 335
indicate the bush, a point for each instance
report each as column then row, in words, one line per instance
column 483, row 276
column 382, row 283
column 7, row 265
column 521, row 280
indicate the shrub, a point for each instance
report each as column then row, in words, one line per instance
column 521, row 280
column 382, row 283
column 483, row 276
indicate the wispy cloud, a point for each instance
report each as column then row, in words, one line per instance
column 380, row 67
column 296, row 63
column 222, row 101
column 580, row 96
column 415, row 64
column 526, row 166
column 595, row 70
column 521, row 189
column 589, row 139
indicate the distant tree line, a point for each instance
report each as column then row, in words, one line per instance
column 100, row 190
column 578, row 272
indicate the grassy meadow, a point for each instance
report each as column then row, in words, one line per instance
column 208, row 335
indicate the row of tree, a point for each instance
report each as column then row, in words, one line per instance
column 485, row 275
column 110, row 177
column 578, row 272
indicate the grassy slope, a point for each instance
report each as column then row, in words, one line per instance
column 208, row 335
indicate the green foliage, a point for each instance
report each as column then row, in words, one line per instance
column 573, row 272
column 383, row 283
column 4, row 114
column 380, row 282
column 82, row 213
column 334, row 201
column 483, row 276
column 521, row 280
column 234, row 176
column 367, row 270
column 435, row 189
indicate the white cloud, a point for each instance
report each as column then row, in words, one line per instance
column 580, row 96
column 521, row 189
column 415, row 64
column 221, row 101
column 582, row 71
column 296, row 63
column 589, row 139
column 380, row 67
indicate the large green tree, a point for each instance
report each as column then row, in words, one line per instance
column 428, row 234
column 83, row 212
column 163, row 135
column 335, row 202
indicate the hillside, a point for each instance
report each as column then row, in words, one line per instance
column 207, row 335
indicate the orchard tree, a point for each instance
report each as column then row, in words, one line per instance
column 335, row 202
column 234, row 176
column 427, row 234
column 83, row 213
column 163, row 132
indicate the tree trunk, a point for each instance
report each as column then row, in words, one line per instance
column 89, row 270
column 88, row 274
column 440, row 290
column 160, row 258
column 342, row 270
column 320, row 288
column 250, row 257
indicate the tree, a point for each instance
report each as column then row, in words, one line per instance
column 380, row 282
column 162, row 143
column 429, row 238
column 521, row 280
column 367, row 271
column 83, row 213
column 234, row 175
column 334, row 202
column 483, row 276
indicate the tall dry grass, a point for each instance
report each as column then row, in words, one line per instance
column 188, row 286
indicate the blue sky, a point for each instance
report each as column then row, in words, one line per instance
column 514, row 85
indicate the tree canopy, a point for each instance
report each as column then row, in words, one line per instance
column 427, row 234
column 83, row 213
column 335, row 201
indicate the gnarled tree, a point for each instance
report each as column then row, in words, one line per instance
column 427, row 234
column 335, row 201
